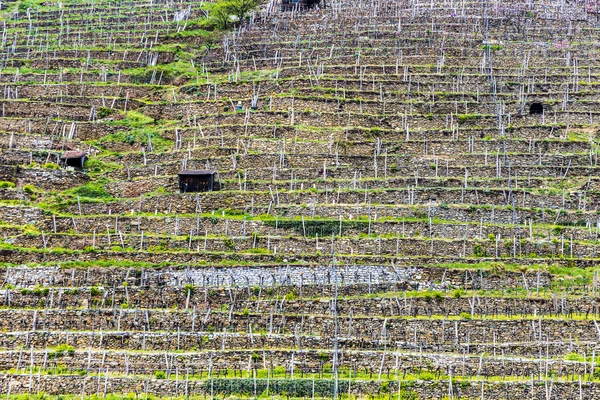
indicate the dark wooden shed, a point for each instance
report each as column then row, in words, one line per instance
column 74, row 159
column 196, row 180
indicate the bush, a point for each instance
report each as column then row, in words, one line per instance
column 30, row 230
column 492, row 47
column 26, row 4
column 41, row 291
column 160, row 374
column 103, row 112
column 479, row 251
column 95, row 291
column 6, row 184
column 222, row 13
column 465, row 315
column 229, row 243
column 291, row 295
column 50, row 165
column 61, row 350
column 188, row 288
column 573, row 357
column 29, row 189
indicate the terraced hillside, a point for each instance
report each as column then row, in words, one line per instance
column 405, row 202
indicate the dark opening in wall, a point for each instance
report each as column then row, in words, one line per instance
column 300, row 4
column 536, row 108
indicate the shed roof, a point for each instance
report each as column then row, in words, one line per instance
column 73, row 154
column 196, row 172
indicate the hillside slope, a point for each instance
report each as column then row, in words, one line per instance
column 405, row 200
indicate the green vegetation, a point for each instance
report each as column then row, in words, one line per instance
column 61, row 351
column 91, row 191
column 224, row 13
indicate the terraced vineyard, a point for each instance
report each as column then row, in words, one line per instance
column 405, row 200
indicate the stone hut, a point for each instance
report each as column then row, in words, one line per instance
column 74, row 159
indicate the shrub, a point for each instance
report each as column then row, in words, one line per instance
column 41, row 291
column 95, row 291
column 27, row 4
column 30, row 230
column 291, row 295
column 493, row 47
column 224, row 12
column 29, row 189
column 160, row 374
column 229, row 243
column 323, row 356
column 50, row 165
column 188, row 288
column 103, row 112
column 478, row 250
column 573, row 357
column 6, row 184
column 61, row 350
column 465, row 315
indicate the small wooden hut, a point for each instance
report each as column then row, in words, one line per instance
column 196, row 180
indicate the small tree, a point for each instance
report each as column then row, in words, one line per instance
column 211, row 40
column 219, row 14
column 241, row 8
column 222, row 12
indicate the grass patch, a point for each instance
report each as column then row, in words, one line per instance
column 91, row 190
